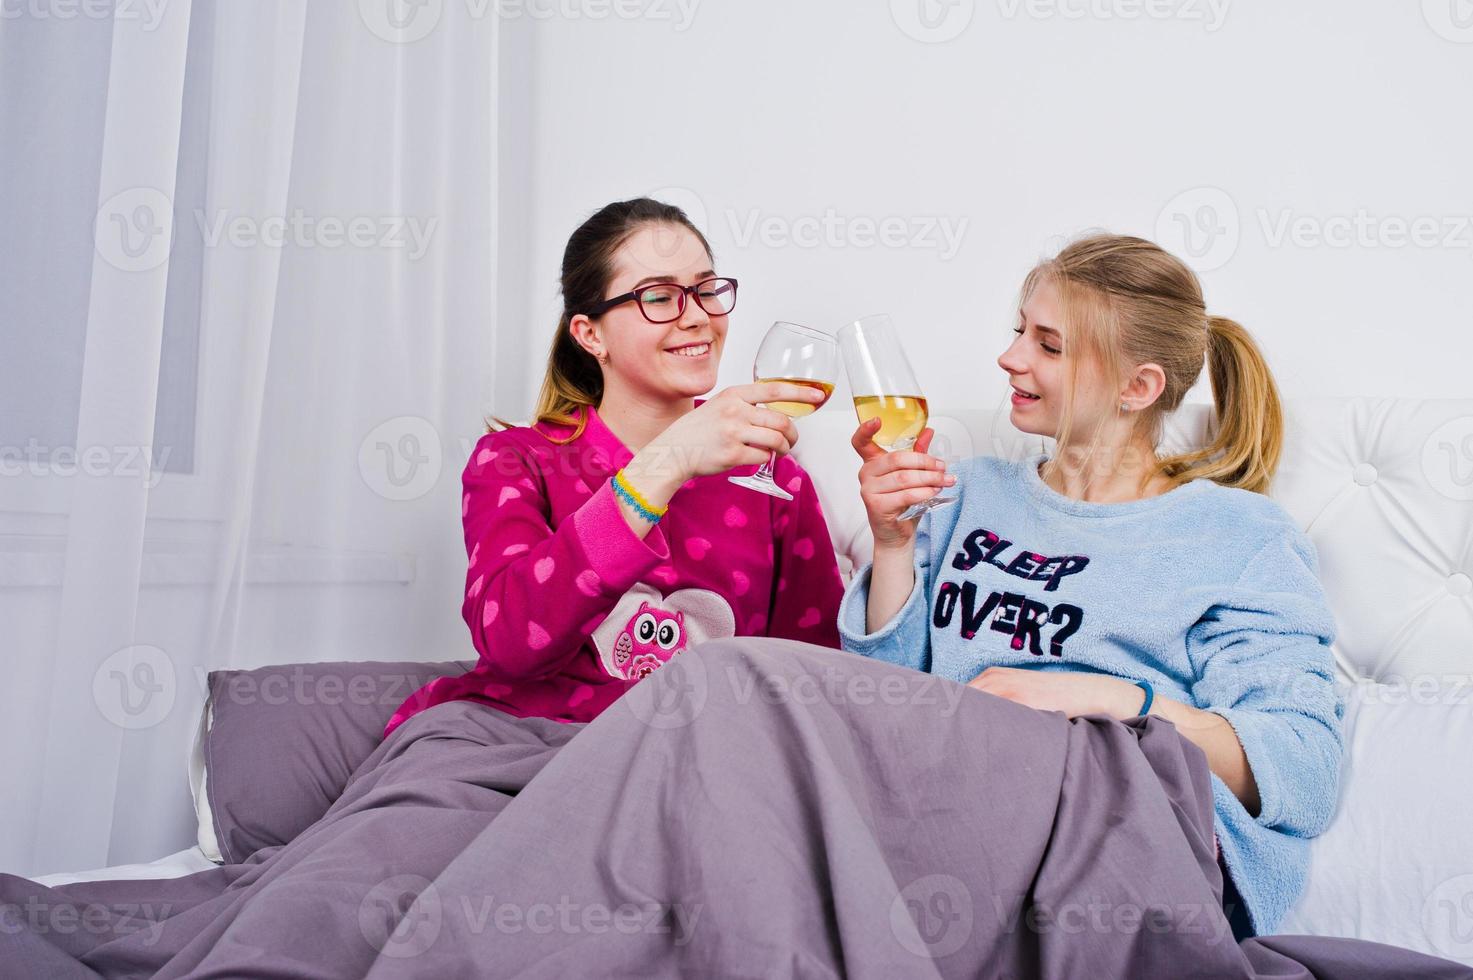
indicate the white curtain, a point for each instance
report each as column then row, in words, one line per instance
column 238, row 443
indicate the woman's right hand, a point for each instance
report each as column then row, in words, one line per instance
column 889, row 482
column 731, row 429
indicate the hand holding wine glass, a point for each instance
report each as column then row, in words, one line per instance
column 892, row 414
column 892, row 483
column 730, row 429
column 792, row 354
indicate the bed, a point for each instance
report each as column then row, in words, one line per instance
column 1384, row 487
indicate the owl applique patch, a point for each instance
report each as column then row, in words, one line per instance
column 646, row 629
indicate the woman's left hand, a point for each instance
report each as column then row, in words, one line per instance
column 1071, row 692
column 1076, row 693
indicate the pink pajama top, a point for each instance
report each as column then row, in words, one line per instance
column 568, row 608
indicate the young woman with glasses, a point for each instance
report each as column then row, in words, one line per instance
column 605, row 538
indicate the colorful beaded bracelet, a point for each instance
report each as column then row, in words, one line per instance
column 630, row 496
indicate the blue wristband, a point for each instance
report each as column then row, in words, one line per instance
column 1150, row 696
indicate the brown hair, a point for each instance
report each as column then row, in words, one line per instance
column 573, row 380
column 1128, row 302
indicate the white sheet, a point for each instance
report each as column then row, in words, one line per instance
column 1396, row 864
column 184, row 862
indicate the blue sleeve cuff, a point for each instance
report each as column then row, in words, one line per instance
column 898, row 641
column 1306, row 807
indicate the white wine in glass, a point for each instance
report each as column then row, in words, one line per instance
column 799, row 355
column 885, row 387
column 902, row 418
column 797, row 410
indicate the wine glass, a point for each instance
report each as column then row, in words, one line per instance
column 885, row 387
column 797, row 355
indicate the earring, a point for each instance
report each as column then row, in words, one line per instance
column 602, row 357
column 1124, row 407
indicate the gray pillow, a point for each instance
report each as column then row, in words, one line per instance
column 277, row 744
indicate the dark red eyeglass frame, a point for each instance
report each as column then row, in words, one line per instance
column 683, row 293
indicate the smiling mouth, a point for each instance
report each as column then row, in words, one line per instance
column 1025, row 394
column 690, row 350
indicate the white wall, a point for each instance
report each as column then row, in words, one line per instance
column 1038, row 120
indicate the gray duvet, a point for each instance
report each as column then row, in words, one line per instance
column 756, row 808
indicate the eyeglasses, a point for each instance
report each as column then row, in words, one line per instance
column 664, row 302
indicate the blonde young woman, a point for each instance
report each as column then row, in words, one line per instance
column 1105, row 579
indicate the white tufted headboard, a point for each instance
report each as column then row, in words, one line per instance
column 1383, row 486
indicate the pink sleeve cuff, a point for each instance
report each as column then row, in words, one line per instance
column 615, row 553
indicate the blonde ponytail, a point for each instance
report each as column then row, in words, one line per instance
column 1245, row 449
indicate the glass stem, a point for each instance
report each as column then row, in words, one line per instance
column 765, row 473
